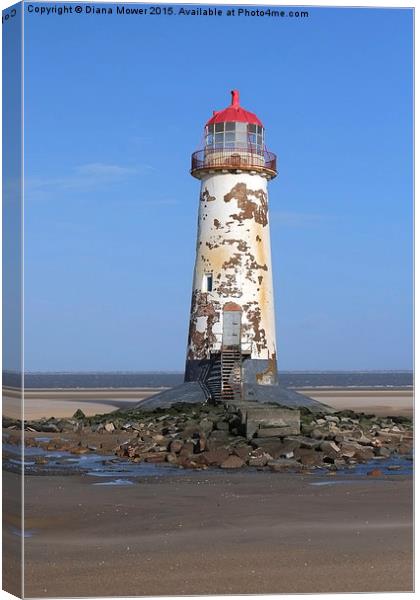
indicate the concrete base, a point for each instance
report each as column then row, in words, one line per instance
column 193, row 393
column 190, row 392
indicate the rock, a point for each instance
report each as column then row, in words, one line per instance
column 317, row 434
column 162, row 418
column 206, row 425
column 374, row 473
column 232, row 462
column 332, row 419
column 217, row 439
column 109, row 427
column 275, row 447
column 259, row 461
column 405, row 449
column 79, row 414
column 284, row 464
column 389, row 437
column 187, row 448
column 364, row 453
column 49, row 428
column 348, row 449
column 330, row 449
column 175, row 446
column 154, row 457
column 242, row 451
column 304, row 442
column 309, row 457
column 382, row 451
column 171, row 458
column 215, row 457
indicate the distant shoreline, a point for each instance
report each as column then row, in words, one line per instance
column 59, row 402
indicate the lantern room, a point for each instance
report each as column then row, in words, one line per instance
column 234, row 142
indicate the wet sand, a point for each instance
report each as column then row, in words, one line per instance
column 376, row 401
column 64, row 403
column 211, row 533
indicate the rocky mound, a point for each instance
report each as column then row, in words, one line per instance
column 231, row 437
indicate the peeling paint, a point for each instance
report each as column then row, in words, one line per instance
column 200, row 341
column 235, row 248
column 269, row 376
column 249, row 209
column 205, row 196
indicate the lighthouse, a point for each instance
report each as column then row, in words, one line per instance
column 231, row 349
column 232, row 337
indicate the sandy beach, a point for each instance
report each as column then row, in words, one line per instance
column 214, row 531
column 210, row 533
column 63, row 403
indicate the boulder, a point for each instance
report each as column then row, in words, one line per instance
column 232, row 462
column 215, row 457
column 309, row 457
column 281, row 421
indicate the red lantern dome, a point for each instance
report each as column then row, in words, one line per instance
column 234, row 113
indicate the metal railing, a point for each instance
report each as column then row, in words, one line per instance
column 234, row 158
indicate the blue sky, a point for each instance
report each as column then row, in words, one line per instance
column 114, row 107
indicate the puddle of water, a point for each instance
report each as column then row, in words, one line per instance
column 119, row 482
column 19, row 462
column 338, row 481
column 26, row 533
column 97, row 465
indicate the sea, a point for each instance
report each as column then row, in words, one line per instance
column 294, row 379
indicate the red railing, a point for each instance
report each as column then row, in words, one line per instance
column 234, row 158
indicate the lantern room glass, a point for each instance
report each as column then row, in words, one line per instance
column 235, row 135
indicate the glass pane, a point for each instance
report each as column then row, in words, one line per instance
column 218, row 145
column 241, row 127
column 252, row 138
column 219, row 137
column 229, row 144
column 259, row 139
column 209, row 140
column 259, row 129
column 252, row 128
column 230, row 137
column 229, row 126
column 219, row 127
column 210, row 128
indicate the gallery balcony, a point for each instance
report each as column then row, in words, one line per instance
column 236, row 160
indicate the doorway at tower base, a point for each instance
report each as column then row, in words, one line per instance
column 192, row 392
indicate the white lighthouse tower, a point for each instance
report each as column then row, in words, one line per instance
column 232, row 338
column 231, row 354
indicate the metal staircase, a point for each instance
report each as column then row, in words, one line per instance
column 213, row 379
column 231, row 361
